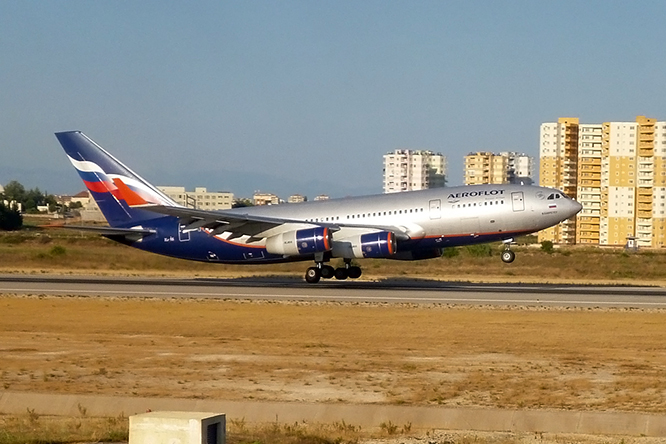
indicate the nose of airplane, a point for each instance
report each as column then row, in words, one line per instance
column 575, row 207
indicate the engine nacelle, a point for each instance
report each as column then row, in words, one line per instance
column 368, row 245
column 306, row 241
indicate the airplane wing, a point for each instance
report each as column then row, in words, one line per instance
column 248, row 225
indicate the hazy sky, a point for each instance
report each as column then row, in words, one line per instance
column 306, row 96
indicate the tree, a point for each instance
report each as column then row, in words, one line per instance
column 10, row 218
column 242, row 202
column 14, row 191
column 29, row 199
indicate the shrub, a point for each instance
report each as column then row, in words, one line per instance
column 58, row 250
column 450, row 252
column 481, row 250
column 547, row 246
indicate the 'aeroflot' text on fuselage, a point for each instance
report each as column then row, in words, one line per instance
column 475, row 194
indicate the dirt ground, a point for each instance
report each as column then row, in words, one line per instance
column 582, row 359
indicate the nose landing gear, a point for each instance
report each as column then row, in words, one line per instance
column 508, row 256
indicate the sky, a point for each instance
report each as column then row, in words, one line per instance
column 306, row 96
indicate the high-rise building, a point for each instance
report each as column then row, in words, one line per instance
column 506, row 167
column 484, row 167
column 620, row 179
column 559, row 169
column 520, row 167
column 408, row 170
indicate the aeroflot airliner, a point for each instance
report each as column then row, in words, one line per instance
column 405, row 226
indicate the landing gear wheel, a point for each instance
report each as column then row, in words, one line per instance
column 354, row 272
column 341, row 274
column 312, row 275
column 508, row 256
column 327, row 272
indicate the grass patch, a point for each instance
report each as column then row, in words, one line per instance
column 59, row 251
column 31, row 428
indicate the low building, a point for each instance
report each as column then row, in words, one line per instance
column 200, row 198
column 297, row 198
column 265, row 198
column 322, row 197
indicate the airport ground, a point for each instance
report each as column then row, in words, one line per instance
column 400, row 354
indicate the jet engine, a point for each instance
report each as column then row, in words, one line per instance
column 372, row 245
column 306, row 241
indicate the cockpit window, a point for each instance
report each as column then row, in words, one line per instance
column 551, row 196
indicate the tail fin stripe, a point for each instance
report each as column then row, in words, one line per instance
column 85, row 165
column 98, row 187
column 127, row 194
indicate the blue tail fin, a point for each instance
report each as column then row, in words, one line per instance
column 115, row 187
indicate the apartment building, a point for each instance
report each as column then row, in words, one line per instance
column 408, row 170
column 506, row 167
column 620, row 179
column 485, row 167
column 200, row 198
column 520, row 167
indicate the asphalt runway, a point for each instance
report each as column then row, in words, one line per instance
column 385, row 291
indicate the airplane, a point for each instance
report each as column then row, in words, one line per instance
column 411, row 225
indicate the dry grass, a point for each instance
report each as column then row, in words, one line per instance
column 32, row 428
column 60, row 251
column 570, row 359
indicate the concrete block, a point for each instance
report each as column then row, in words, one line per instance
column 177, row 428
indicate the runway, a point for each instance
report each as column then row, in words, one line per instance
column 386, row 291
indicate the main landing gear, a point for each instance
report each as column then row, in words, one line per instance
column 508, row 256
column 314, row 274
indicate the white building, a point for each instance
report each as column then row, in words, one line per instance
column 408, row 170
column 520, row 167
column 200, row 198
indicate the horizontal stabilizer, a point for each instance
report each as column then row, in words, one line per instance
column 104, row 230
